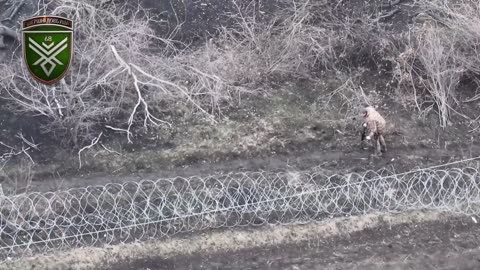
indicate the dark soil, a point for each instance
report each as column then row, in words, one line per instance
column 451, row 244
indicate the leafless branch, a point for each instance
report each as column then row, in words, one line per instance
column 94, row 142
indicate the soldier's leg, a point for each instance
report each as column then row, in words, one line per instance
column 364, row 132
column 363, row 139
column 376, row 144
column 378, row 147
column 382, row 142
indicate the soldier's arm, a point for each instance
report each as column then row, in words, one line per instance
column 372, row 127
column 364, row 131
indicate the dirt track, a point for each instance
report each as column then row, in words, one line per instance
column 432, row 245
column 398, row 159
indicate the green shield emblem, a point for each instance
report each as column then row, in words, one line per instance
column 47, row 43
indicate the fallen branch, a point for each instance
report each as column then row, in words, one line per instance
column 122, row 130
column 13, row 152
column 140, row 101
column 6, row 145
column 184, row 92
column 94, row 142
column 109, row 150
column 27, row 154
column 31, row 144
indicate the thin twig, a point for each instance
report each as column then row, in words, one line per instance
column 94, row 142
column 109, row 150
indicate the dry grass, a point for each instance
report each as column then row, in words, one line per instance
column 222, row 241
column 115, row 80
column 18, row 180
column 96, row 88
column 119, row 82
column 439, row 54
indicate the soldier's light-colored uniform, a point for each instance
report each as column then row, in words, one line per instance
column 375, row 125
column 375, row 122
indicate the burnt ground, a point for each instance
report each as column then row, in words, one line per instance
column 452, row 244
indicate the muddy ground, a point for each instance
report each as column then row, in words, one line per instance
column 450, row 244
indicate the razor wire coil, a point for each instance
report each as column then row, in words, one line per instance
column 35, row 222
